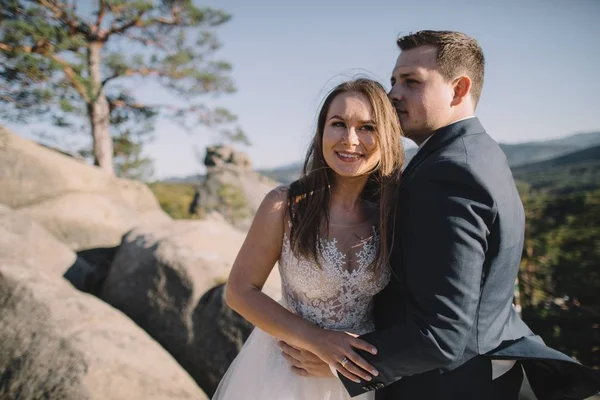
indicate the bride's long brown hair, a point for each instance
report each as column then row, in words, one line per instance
column 310, row 195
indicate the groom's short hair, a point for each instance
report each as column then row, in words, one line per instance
column 457, row 54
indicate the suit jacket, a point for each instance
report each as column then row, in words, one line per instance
column 457, row 246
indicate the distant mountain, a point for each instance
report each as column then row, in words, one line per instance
column 579, row 140
column 191, row 179
column 284, row 174
column 517, row 154
column 576, row 171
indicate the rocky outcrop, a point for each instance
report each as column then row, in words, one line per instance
column 35, row 362
column 216, row 326
column 58, row 343
column 158, row 278
column 84, row 220
column 231, row 187
column 78, row 203
column 222, row 156
column 25, row 243
column 150, row 301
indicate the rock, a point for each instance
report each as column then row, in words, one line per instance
column 231, row 188
column 24, row 242
column 57, row 343
column 35, row 361
column 84, row 220
column 241, row 160
column 220, row 156
column 30, row 173
column 216, row 326
column 90, row 280
column 137, row 195
column 158, row 277
column 78, row 203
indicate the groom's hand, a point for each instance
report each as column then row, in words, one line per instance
column 304, row 362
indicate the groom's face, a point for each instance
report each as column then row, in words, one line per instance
column 420, row 93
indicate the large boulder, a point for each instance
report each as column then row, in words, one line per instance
column 137, row 195
column 58, row 343
column 84, row 220
column 78, row 203
column 221, row 155
column 216, row 326
column 231, row 187
column 158, row 277
column 35, row 361
column 31, row 173
column 24, row 242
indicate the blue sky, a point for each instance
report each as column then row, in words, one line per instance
column 541, row 74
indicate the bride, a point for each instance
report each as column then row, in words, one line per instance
column 329, row 231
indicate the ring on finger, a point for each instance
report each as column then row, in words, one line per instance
column 344, row 361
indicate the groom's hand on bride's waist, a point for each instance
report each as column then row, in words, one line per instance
column 304, row 362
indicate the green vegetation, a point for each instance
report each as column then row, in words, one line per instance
column 175, row 198
column 233, row 204
column 574, row 172
column 559, row 278
column 560, row 272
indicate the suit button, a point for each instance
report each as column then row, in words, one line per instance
column 365, row 388
column 379, row 385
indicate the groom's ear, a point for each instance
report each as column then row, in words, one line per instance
column 462, row 86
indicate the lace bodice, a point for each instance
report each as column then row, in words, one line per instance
column 339, row 293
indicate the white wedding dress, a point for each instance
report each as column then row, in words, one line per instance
column 338, row 295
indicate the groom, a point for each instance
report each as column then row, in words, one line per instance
column 445, row 325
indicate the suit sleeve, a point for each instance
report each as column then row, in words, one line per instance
column 446, row 215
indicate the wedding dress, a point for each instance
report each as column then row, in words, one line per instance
column 337, row 295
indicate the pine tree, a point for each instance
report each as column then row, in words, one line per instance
column 69, row 65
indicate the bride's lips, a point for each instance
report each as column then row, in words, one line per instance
column 348, row 157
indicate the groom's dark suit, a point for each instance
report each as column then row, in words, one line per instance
column 448, row 308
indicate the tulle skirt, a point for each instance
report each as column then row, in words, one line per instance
column 260, row 372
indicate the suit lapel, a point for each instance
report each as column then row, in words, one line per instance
column 438, row 140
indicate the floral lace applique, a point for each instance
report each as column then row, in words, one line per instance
column 332, row 296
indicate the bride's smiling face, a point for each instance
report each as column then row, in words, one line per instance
column 350, row 145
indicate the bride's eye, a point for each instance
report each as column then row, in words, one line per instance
column 338, row 124
column 369, row 128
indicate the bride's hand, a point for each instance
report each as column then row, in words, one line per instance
column 337, row 349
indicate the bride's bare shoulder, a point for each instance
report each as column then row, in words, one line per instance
column 274, row 203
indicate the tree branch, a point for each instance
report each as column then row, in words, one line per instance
column 161, row 21
column 147, row 41
column 45, row 49
column 121, row 103
column 116, row 9
column 140, row 72
column 101, row 14
column 65, row 18
column 175, row 19
column 136, row 21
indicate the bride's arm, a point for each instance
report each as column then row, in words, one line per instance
column 253, row 264
column 243, row 292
